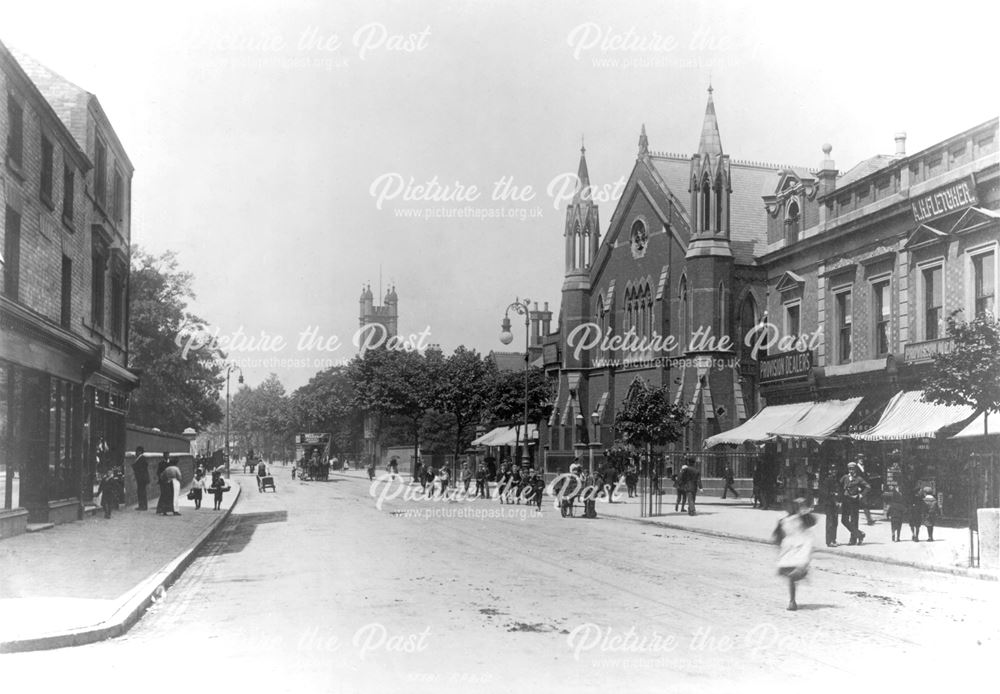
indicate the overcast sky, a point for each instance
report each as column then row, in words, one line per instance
column 259, row 129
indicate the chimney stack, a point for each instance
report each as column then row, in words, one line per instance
column 900, row 144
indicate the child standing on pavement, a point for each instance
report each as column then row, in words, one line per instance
column 931, row 512
column 794, row 539
column 197, row 488
column 895, row 507
column 218, row 487
column 109, row 493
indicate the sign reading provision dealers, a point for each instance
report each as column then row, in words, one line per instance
column 942, row 201
column 785, row 366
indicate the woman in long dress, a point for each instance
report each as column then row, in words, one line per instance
column 794, row 539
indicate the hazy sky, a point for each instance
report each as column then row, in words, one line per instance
column 259, row 129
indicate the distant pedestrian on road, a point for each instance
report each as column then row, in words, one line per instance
column 829, row 494
column 371, row 470
column 140, row 470
column 727, row 477
column 795, row 546
column 466, row 476
column 852, row 490
column 537, row 490
column 865, row 501
column 591, row 485
column 445, row 476
column 758, row 493
column 483, row 481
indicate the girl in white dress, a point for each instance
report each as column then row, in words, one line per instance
column 794, row 539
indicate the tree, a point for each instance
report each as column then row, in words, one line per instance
column 178, row 388
column 970, row 373
column 462, row 390
column 263, row 415
column 391, row 383
column 648, row 418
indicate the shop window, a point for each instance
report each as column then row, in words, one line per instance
column 882, row 311
column 45, row 189
column 11, row 254
column 984, row 282
column 15, row 131
column 844, row 319
column 933, row 301
column 67, row 206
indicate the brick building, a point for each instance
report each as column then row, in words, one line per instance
column 64, row 385
column 863, row 267
column 678, row 259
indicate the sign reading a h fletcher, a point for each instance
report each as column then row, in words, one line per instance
column 942, row 201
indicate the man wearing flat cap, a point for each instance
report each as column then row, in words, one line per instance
column 853, row 489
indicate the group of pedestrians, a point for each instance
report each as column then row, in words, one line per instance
column 850, row 493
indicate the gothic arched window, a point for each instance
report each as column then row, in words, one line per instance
column 747, row 320
column 719, row 222
column 706, row 204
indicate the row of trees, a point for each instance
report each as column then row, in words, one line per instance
column 428, row 400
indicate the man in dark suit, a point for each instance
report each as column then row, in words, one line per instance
column 690, row 483
column 140, row 469
column 829, row 493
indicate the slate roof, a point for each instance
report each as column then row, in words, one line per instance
column 67, row 100
column 747, row 217
column 863, row 168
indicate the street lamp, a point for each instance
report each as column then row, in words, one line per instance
column 229, row 369
column 506, row 337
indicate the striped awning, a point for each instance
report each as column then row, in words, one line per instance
column 806, row 420
column 975, row 427
column 506, row 436
column 908, row 416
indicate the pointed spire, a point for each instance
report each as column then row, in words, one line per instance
column 643, row 142
column 711, row 141
column 582, row 175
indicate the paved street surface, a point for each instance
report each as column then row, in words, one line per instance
column 314, row 589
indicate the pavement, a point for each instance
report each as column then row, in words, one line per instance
column 737, row 519
column 86, row 581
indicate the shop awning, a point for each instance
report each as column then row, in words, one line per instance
column 819, row 421
column 510, row 436
column 760, row 426
column 907, row 416
column 505, row 436
column 485, row 439
column 975, row 427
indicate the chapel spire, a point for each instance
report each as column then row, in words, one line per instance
column 711, row 141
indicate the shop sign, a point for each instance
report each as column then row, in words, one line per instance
column 942, row 201
column 785, row 367
column 925, row 351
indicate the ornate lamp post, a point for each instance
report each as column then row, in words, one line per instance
column 229, row 370
column 520, row 307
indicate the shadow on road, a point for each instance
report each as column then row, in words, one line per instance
column 241, row 527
